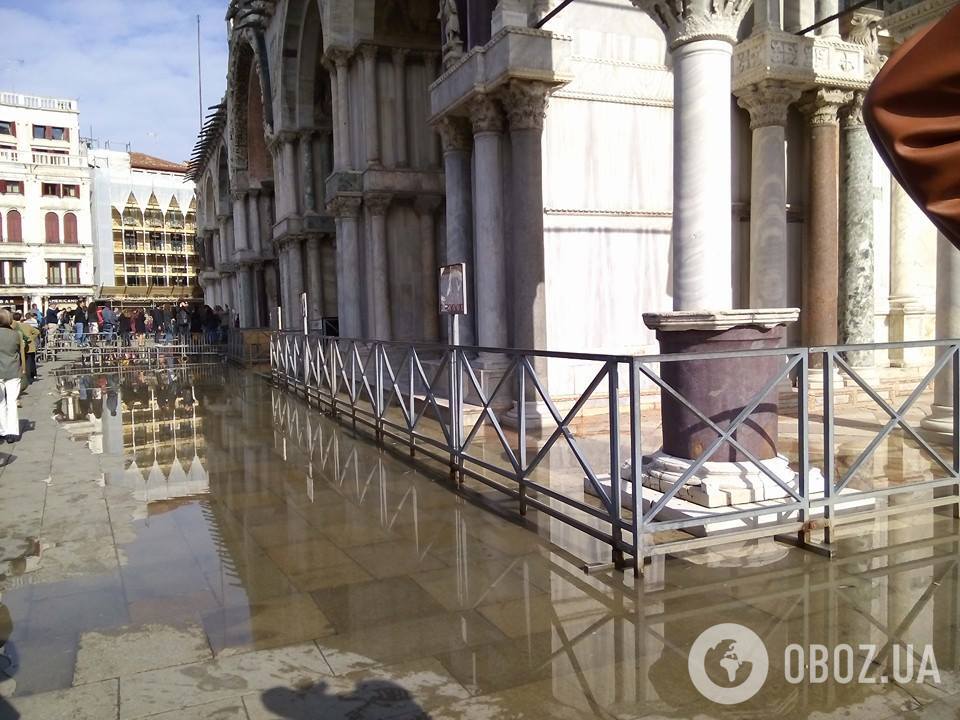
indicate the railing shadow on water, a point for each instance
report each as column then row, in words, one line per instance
column 569, row 447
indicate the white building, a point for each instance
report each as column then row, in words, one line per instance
column 46, row 252
column 144, row 227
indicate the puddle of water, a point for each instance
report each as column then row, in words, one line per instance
column 242, row 520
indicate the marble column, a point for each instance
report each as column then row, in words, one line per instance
column 241, row 238
column 824, row 9
column 431, row 61
column 308, row 173
column 399, row 56
column 455, row 136
column 486, row 117
column 225, row 249
column 821, row 282
column 378, row 267
column 856, row 311
column 253, row 220
column 341, row 59
column 701, row 37
column 426, row 208
column 371, row 119
column 767, row 103
column 526, row 103
column 940, row 420
column 907, row 308
column 245, row 290
column 314, row 283
column 288, row 187
column 347, row 211
column 767, row 15
column 284, row 298
column 294, row 317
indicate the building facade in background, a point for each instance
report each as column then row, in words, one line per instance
column 144, row 228
column 46, row 251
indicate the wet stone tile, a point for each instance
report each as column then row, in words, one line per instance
column 379, row 602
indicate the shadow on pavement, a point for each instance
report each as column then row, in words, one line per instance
column 370, row 700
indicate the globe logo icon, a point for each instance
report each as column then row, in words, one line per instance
column 728, row 663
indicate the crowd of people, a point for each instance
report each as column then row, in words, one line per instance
column 23, row 334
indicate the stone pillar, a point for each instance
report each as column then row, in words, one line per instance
column 489, row 246
column 378, row 266
column 314, row 283
column 240, row 237
column 821, row 282
column 371, row 118
column 824, row 9
column 767, row 103
column 245, row 290
column 288, row 188
column 253, row 222
column 940, row 420
column 308, row 173
column 283, row 275
column 347, row 210
column 426, row 207
column 293, row 319
column 225, row 249
column 767, row 16
column 431, row 61
column 341, row 59
column 526, row 103
column 856, row 311
column 701, row 37
column 907, row 309
column 399, row 56
column 459, row 241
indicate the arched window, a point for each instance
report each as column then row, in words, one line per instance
column 14, row 227
column 70, row 229
column 52, row 224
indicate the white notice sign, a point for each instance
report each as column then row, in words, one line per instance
column 453, row 289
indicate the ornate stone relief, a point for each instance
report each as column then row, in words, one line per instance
column 485, row 114
column 251, row 13
column 684, row 21
column 345, row 206
column 852, row 115
column 822, row 105
column 378, row 204
column 454, row 133
column 767, row 102
column 808, row 60
column 526, row 104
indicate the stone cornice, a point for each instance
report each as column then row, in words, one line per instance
column 684, row 21
column 719, row 320
column 905, row 22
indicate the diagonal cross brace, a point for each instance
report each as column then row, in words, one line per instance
column 488, row 412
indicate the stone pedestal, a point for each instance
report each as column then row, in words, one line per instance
column 720, row 389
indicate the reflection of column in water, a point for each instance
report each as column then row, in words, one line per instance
column 112, row 424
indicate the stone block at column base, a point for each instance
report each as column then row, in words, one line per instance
column 938, row 425
column 489, row 370
column 537, row 414
column 721, row 484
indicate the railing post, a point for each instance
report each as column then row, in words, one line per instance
column 636, row 463
column 828, row 448
column 412, row 411
column 522, row 433
column 613, row 385
column 456, row 418
column 378, row 351
column 955, row 439
column 803, row 444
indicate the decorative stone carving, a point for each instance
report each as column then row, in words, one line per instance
column 454, row 133
column 852, row 115
column 251, row 13
column 378, row 204
column 822, row 105
column 863, row 32
column 684, row 21
column 486, row 115
column 345, row 206
column 449, row 17
column 526, row 104
column 808, row 60
column 767, row 102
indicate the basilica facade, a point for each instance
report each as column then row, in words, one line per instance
column 613, row 158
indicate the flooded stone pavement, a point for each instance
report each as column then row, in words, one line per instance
column 172, row 548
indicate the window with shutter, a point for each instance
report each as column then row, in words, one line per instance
column 14, row 227
column 70, row 229
column 52, row 225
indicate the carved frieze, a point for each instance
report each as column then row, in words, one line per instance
column 811, row 61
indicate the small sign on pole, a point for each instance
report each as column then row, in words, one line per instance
column 453, row 289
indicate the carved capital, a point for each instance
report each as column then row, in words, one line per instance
column 340, row 58
column 378, row 204
column 684, row 21
column 399, row 55
column 427, row 205
column 768, row 102
column 486, row 114
column 822, row 105
column 238, row 195
column 454, row 133
column 852, row 115
column 345, row 206
column 526, row 104
column 369, row 52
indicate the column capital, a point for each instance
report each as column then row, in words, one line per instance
column 768, row 102
column 454, row 133
column 399, row 55
column 526, row 104
column 427, row 204
column 340, row 57
column 238, row 195
column 378, row 203
column 486, row 114
column 345, row 206
column 685, row 21
column 369, row 52
column 223, row 217
column 822, row 105
column 253, row 193
column 851, row 116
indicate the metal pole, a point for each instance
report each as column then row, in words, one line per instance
column 828, row 449
column 955, row 439
column 615, row 511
